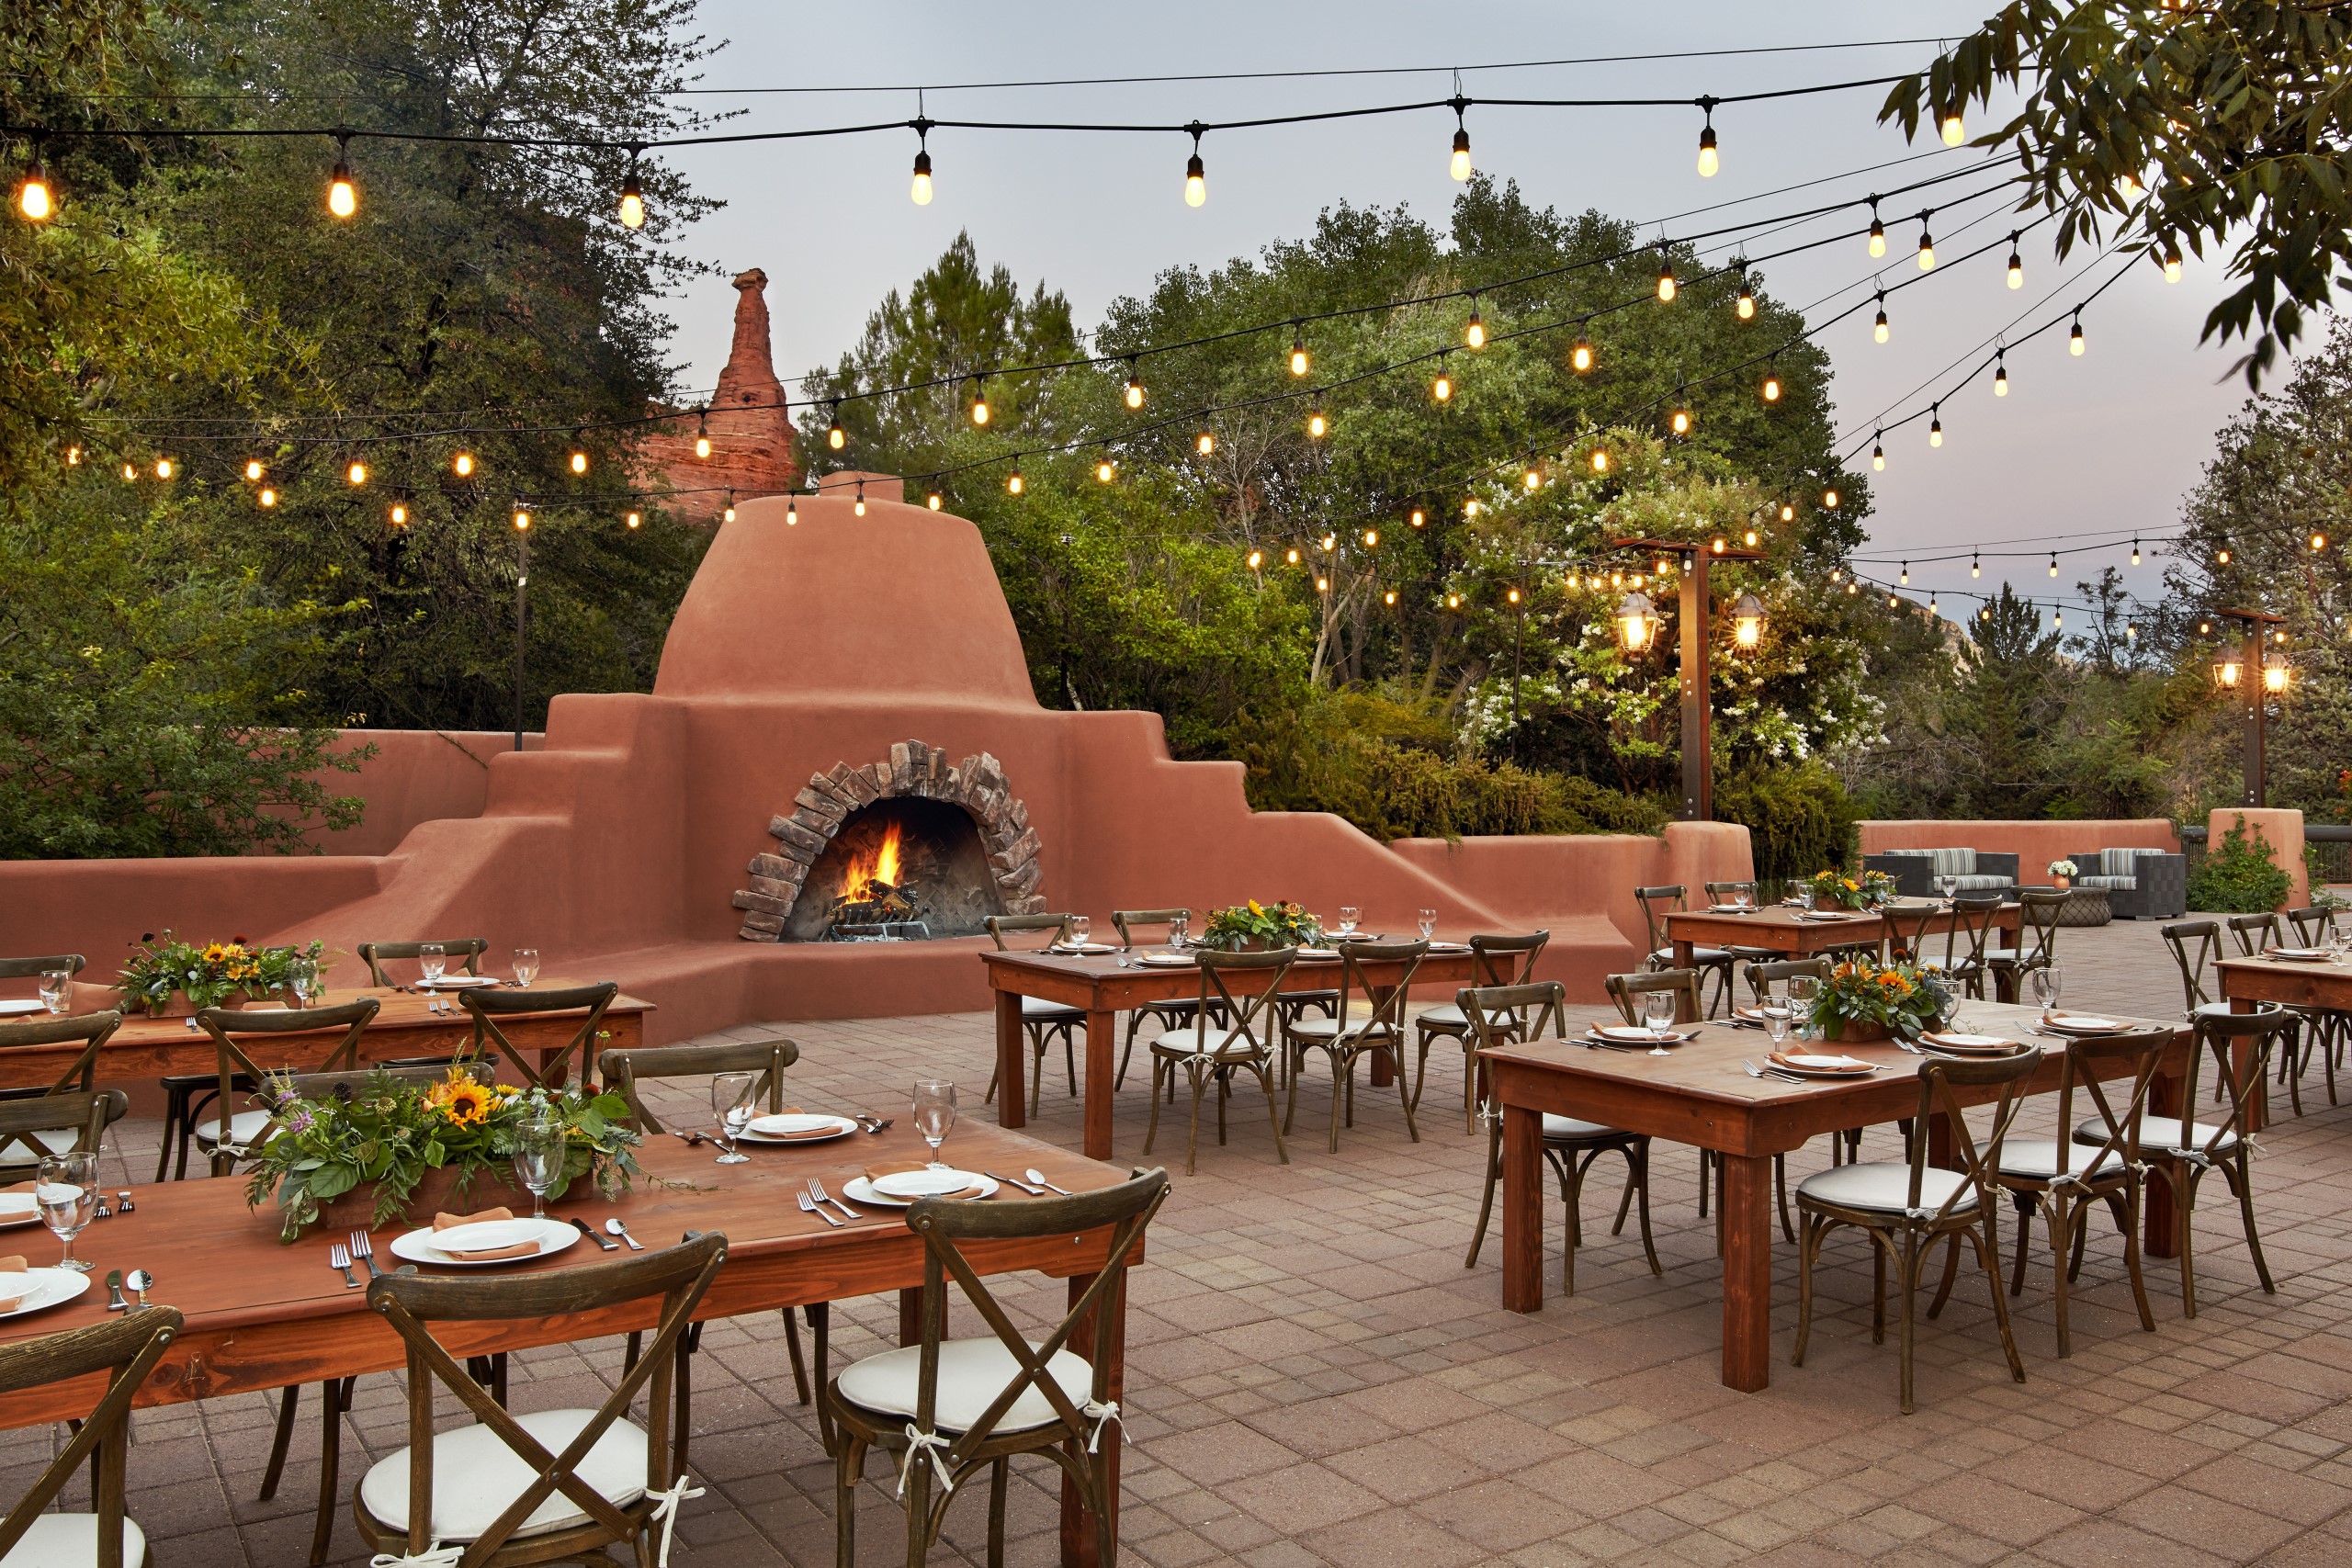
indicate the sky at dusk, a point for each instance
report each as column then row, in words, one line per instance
column 2082, row 450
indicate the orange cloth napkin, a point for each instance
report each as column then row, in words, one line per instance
column 520, row 1249
column 16, row 1289
column 895, row 1166
column 13, row 1264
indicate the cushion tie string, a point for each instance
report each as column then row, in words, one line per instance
column 1102, row 1415
column 666, row 1513
column 434, row 1556
column 925, row 1445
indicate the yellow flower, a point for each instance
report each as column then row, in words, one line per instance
column 462, row 1099
column 1255, row 908
column 1851, row 883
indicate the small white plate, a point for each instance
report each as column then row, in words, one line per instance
column 2299, row 955
column 16, row 1007
column 2082, row 1023
column 459, row 982
column 1168, row 960
column 54, row 1288
column 1966, row 1042
column 1081, row 949
column 1318, row 953
column 1731, row 908
column 18, row 1209
column 421, row 1245
column 857, row 1189
column 1449, row 946
column 792, row 1129
column 1808, row 1066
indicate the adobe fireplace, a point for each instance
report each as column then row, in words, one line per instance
column 903, row 850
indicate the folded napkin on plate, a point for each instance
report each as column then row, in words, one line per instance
column 520, row 1249
column 13, row 1292
column 22, row 1186
column 13, row 1264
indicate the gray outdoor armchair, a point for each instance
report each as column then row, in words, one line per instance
column 2141, row 885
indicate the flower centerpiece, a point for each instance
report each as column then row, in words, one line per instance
column 1862, row 1002
column 2062, row 873
column 1867, row 891
column 1261, row 925
column 407, row 1142
column 170, row 977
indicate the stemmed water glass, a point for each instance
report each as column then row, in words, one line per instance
column 432, row 960
column 935, row 1108
column 2046, row 983
column 1080, row 928
column 1350, row 918
column 1803, row 990
column 526, row 966
column 1657, row 1015
column 302, row 980
column 66, row 1189
column 1427, row 920
column 538, row 1154
column 1776, row 1020
column 56, row 987
column 1177, row 925
column 731, row 1101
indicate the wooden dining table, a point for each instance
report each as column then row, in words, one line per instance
column 2252, row 982
column 261, row 1314
column 144, row 1049
column 1798, row 933
column 1097, row 984
column 1701, row 1095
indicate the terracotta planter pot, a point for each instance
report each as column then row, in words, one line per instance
column 1854, row 1031
column 2062, row 883
column 179, row 1006
column 436, row 1193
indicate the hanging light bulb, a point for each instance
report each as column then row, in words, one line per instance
column 1934, row 424
column 523, row 517
column 702, row 434
column 1389, row 598
column 399, row 514
column 1512, row 596
column 2172, row 261
column 2318, row 542
column 1297, row 352
column 2000, row 373
column 342, row 195
column 1013, row 483
column 636, row 519
column 356, row 473
column 1927, row 246
column 1205, row 442
column 129, row 471
column 2131, row 631
column 1750, row 540
column 1532, row 480
column 1322, row 585
column 1836, row 575
column 857, row 506
column 1906, row 579
column 1418, row 519
column 1197, row 174
column 1788, row 512
column 1878, row 328
column 1474, row 333
column 1771, row 384
column 935, row 500
column 2017, row 263
column 1854, row 588
column 1708, row 162
column 1954, row 134
column 1372, row 539
column 1745, row 306
column 35, row 198
column 579, row 455
column 979, row 409
column 1986, row 613
column 2135, row 550
column 253, row 470
column 1255, row 557
column 1316, row 425
column 2222, row 556
column 1975, row 568
column 1666, row 286
column 1290, row 556
column 1459, row 165
column 1830, row 499
column 1470, row 507
column 791, row 511
column 1878, row 452
column 1636, row 620
column 1453, row 601
column 73, row 456
column 1441, row 388
column 1679, row 421
column 1580, row 356
column 1601, row 459
column 2074, row 338
column 632, row 207
column 268, row 497
column 1104, row 472
column 918, row 189
column 837, row 438
column 1134, row 386
column 1892, row 602
column 2053, row 563
column 1878, row 231
column 728, row 514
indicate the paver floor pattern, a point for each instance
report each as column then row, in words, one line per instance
column 1314, row 1376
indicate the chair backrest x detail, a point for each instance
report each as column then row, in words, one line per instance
column 489, row 1006
column 27, row 1125
column 624, row 1070
column 2220, row 1036
column 1127, row 920
column 92, row 1029
column 2195, row 944
column 126, row 1349
column 1939, row 1086
column 34, row 968
column 1492, row 957
column 234, row 1058
column 999, row 924
column 1248, row 1014
column 1504, row 1015
column 2141, row 1053
column 2255, row 933
column 2313, row 926
column 1761, row 977
column 1385, row 1007
column 2038, row 912
column 1684, row 983
column 1656, row 904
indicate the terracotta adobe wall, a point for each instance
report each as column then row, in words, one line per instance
column 416, row 776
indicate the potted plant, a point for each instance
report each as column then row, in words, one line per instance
column 1263, row 926
column 399, row 1148
column 1862, row 1002
column 1868, row 891
column 171, row 978
column 2062, row 874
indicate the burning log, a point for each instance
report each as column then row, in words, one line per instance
column 876, row 903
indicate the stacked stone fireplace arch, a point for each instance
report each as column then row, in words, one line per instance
column 977, row 784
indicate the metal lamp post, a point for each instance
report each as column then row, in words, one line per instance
column 2256, row 679
column 521, row 606
column 1698, row 711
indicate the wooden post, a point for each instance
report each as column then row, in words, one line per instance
column 1698, row 739
column 2250, row 679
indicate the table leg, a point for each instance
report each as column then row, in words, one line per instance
column 2156, row 1218
column 1011, row 1063
column 1078, row 1527
column 1384, row 1062
column 1101, row 1030
column 1682, row 952
column 1747, row 1200
column 1942, row 1152
column 1522, row 1209
column 2241, row 1055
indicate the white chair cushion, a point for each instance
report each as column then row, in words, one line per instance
column 1035, row 1007
column 1451, row 1017
column 1353, row 1021
column 243, row 1127
column 1208, row 1042
column 972, row 1372
column 71, row 1540
column 1953, row 863
column 1880, row 1184
column 1980, row 883
column 2120, row 884
column 2164, row 1133
column 1567, row 1128
column 476, row 1476
column 56, row 1139
column 2037, row 1158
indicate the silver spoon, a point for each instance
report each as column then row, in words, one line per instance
column 142, row 1282
column 614, row 1227
column 1033, row 1192
column 1034, row 1174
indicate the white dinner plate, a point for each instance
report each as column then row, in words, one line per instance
column 459, row 982
column 16, row 1007
column 1966, row 1044
column 1081, row 949
column 2082, row 1023
column 857, row 1189
column 1168, row 960
column 1806, row 1065
column 1449, row 947
column 1731, row 908
column 419, row 1245
column 797, row 1129
column 2299, row 955
column 18, row 1209
column 54, row 1287
column 1318, row 953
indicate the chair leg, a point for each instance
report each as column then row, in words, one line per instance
column 1780, row 1193
column 1412, row 1130
column 1069, row 1059
column 1282, row 1155
column 792, row 1347
column 2064, row 1218
column 2129, row 1219
column 1486, row 1202
column 2024, row 1203
column 1642, row 1199
column 1041, row 1042
column 1134, row 1022
column 1878, row 1286
column 1908, row 1333
column 1193, row 1133
column 1706, row 1169
column 287, row 1398
column 2184, row 1188
column 1809, row 1244
column 846, row 1466
column 1987, row 1259
column 1952, row 1269
column 1151, row 1130
column 997, row 1473
column 1572, row 1194
column 2241, row 1180
column 336, row 1399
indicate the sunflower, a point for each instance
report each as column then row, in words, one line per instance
column 462, row 1099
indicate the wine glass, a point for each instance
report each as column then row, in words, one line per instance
column 1776, row 1021
column 56, row 985
column 1657, row 1014
column 1080, row 928
column 1177, row 925
column 66, row 1188
column 2046, row 983
column 538, row 1154
column 302, row 980
column 731, row 1101
column 934, row 1108
column 1428, row 921
column 1350, row 917
column 526, row 966
column 1804, row 991
column 432, row 960
column 1743, row 899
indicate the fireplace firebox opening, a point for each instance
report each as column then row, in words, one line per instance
column 905, row 869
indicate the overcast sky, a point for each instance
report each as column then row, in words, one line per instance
column 2102, row 444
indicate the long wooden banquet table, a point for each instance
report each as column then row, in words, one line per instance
column 145, row 1049
column 1794, row 934
column 261, row 1314
column 1098, row 985
column 2256, row 982
column 1701, row 1095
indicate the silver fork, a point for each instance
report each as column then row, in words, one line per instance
column 1756, row 1072
column 364, row 1250
column 817, row 1191
column 339, row 1256
column 809, row 1206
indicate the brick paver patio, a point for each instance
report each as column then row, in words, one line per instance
column 1315, row 1378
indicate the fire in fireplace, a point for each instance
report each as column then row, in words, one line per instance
column 904, row 869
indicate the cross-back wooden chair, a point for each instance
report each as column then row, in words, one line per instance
column 1912, row 939
column 2256, row 934
column 1660, row 902
column 2037, row 940
column 552, row 1485
column 1495, row 960
column 1845, row 1144
column 2195, row 944
column 946, row 1408
column 34, row 968
column 1171, row 1012
column 1205, row 1049
column 1351, row 1035
column 2061, row 1176
column 60, row 1123
column 2257, row 931
column 1907, row 1207
column 1728, row 893
column 487, row 1006
column 2330, row 1027
column 92, row 1029
column 624, row 1070
column 1684, row 983
column 1506, row 1014
column 463, row 952
column 237, row 1134
column 126, row 1349
column 2182, row 1152
column 1041, row 1021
